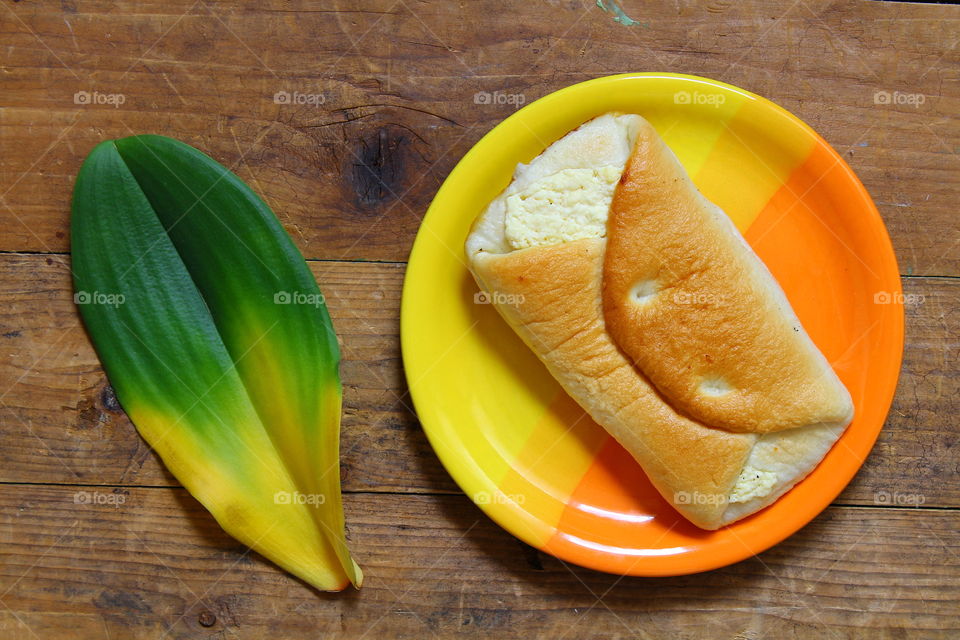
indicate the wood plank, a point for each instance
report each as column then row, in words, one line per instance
column 59, row 425
column 436, row 566
column 60, row 422
column 351, row 177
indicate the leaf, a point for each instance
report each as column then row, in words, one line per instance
column 219, row 346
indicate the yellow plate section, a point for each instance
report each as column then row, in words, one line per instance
column 744, row 167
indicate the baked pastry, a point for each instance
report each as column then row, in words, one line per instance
column 543, row 243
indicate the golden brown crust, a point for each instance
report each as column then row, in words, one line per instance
column 699, row 314
column 558, row 314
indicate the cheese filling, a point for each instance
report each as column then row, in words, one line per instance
column 568, row 205
column 752, row 483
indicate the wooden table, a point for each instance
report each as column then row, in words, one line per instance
column 351, row 178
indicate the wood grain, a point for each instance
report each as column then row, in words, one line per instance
column 352, row 177
column 437, row 567
column 96, row 538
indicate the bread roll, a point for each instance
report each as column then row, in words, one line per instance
column 542, row 244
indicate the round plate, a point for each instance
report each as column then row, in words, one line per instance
column 523, row 450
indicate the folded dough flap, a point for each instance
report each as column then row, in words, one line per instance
column 548, row 281
column 700, row 315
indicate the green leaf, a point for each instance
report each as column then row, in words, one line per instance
column 217, row 340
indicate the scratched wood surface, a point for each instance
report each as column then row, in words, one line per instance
column 99, row 541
